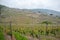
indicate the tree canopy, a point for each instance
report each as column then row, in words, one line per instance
column 46, row 22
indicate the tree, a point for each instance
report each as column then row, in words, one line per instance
column 51, row 14
column 46, row 22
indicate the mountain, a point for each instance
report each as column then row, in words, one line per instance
column 44, row 11
column 47, row 11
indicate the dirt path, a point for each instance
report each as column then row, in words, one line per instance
column 8, row 37
column 31, row 38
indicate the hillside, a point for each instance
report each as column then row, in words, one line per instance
column 28, row 25
column 47, row 11
column 21, row 16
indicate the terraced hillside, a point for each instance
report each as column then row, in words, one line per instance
column 25, row 17
column 29, row 25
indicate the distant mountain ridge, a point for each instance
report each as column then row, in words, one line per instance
column 47, row 11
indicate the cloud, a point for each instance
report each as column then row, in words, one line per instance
column 46, row 4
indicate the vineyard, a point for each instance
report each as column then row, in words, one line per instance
column 35, row 31
column 21, row 24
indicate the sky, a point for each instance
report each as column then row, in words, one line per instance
column 32, row 4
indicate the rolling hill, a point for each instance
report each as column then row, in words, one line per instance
column 27, row 16
column 27, row 22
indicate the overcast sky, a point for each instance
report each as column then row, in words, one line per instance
column 32, row 4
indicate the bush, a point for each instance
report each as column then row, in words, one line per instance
column 9, row 33
column 1, row 36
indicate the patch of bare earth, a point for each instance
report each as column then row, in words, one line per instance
column 8, row 37
column 31, row 38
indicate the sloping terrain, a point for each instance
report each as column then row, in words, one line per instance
column 23, row 21
column 21, row 16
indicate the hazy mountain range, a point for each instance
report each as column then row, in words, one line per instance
column 47, row 11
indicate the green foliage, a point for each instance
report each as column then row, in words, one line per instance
column 1, row 36
column 36, row 31
column 9, row 33
column 1, row 29
column 1, row 33
column 18, row 36
column 46, row 22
